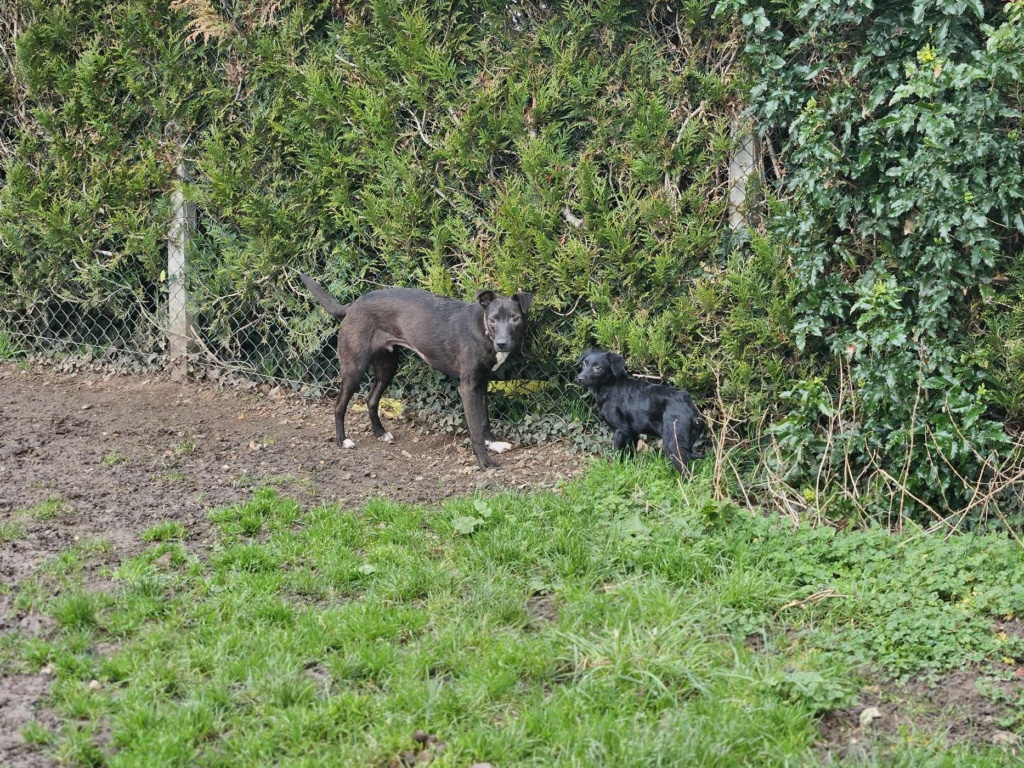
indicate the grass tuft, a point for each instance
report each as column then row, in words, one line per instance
column 75, row 611
column 50, row 509
column 11, row 530
column 171, row 530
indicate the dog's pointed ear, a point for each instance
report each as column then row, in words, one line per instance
column 485, row 298
column 525, row 300
column 617, row 363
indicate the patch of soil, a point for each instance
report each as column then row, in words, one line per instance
column 970, row 706
column 19, row 699
column 542, row 609
column 102, row 457
column 116, row 455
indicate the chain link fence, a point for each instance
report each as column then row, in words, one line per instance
column 187, row 320
column 186, row 325
column 122, row 328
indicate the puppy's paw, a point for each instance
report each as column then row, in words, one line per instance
column 348, row 443
column 387, row 437
column 497, row 447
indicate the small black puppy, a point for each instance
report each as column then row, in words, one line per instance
column 632, row 407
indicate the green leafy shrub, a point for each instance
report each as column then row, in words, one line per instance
column 904, row 171
column 576, row 150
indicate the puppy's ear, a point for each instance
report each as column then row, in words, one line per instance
column 525, row 300
column 485, row 298
column 617, row 364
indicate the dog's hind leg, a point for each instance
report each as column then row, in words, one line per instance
column 675, row 439
column 353, row 366
column 384, row 364
column 349, row 385
column 340, row 406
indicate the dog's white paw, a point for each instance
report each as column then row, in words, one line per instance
column 387, row 437
column 348, row 443
column 497, row 447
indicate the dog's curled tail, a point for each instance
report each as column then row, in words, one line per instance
column 324, row 298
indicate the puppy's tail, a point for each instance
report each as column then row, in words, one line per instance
column 324, row 298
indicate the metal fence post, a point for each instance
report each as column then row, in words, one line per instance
column 742, row 165
column 182, row 226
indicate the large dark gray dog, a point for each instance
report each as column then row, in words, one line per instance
column 632, row 407
column 462, row 339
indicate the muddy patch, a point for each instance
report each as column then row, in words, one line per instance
column 90, row 458
column 971, row 706
column 543, row 609
column 19, row 699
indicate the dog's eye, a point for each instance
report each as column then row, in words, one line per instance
column 516, row 319
column 490, row 320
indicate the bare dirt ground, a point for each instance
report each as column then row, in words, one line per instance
column 124, row 453
column 953, row 709
column 94, row 457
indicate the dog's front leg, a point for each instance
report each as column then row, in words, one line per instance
column 488, row 434
column 492, row 445
column 474, row 401
column 624, row 442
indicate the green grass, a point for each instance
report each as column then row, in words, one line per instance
column 8, row 347
column 608, row 623
column 171, row 530
column 112, row 459
column 11, row 530
column 185, row 447
column 50, row 509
